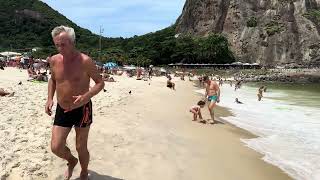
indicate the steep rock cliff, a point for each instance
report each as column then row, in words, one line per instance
column 269, row 32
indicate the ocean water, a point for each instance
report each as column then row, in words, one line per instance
column 286, row 121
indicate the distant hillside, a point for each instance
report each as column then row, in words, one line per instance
column 25, row 24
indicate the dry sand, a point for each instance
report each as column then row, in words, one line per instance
column 147, row 135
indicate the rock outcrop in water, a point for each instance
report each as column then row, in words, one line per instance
column 270, row 32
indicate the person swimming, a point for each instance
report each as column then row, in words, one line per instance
column 237, row 101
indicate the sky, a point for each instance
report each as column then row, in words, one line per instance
column 120, row 18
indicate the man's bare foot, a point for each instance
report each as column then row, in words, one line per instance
column 84, row 175
column 203, row 121
column 212, row 121
column 71, row 165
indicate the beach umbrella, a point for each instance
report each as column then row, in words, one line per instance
column 110, row 65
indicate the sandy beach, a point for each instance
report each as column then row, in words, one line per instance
column 146, row 135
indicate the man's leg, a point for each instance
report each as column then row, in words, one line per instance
column 82, row 149
column 211, row 106
column 59, row 148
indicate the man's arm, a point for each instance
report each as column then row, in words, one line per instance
column 52, row 82
column 218, row 93
column 51, row 90
column 206, row 92
column 94, row 74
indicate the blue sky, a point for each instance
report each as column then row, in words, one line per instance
column 124, row 18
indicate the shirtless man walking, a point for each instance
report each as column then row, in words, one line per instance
column 70, row 77
column 213, row 95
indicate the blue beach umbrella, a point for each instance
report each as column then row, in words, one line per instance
column 110, row 65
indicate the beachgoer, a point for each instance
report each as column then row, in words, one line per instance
column 212, row 94
column 170, row 84
column 196, row 110
column 260, row 91
column 71, row 71
column 182, row 77
column 220, row 81
column 109, row 79
column 237, row 85
column 150, row 71
column 237, row 101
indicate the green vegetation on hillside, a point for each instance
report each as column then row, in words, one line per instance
column 274, row 27
column 313, row 14
column 28, row 24
column 252, row 22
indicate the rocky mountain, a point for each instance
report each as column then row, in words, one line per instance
column 270, row 32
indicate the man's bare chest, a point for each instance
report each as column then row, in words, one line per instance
column 73, row 73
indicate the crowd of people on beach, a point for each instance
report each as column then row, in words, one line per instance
column 74, row 93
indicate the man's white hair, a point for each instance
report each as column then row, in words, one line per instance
column 59, row 29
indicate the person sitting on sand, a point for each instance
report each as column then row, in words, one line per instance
column 170, row 84
column 31, row 73
column 38, row 77
column 5, row 93
column 237, row 101
column 42, row 77
column 109, row 79
column 260, row 91
column 196, row 110
column 182, row 77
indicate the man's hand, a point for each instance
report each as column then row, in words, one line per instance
column 48, row 107
column 80, row 99
column 218, row 100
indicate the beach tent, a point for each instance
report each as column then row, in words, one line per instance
column 163, row 70
column 8, row 53
column 110, row 65
column 237, row 63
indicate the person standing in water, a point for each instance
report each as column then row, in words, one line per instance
column 71, row 71
column 260, row 93
column 212, row 94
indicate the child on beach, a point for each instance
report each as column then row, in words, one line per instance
column 196, row 110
